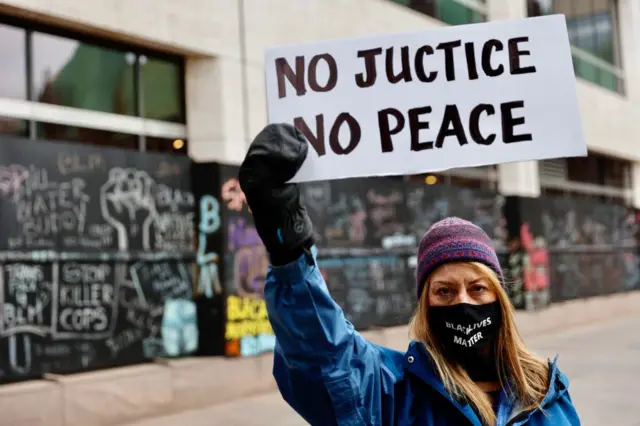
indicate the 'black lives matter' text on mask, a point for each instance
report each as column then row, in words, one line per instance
column 468, row 334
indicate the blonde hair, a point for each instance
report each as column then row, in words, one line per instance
column 527, row 373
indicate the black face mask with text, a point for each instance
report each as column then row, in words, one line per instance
column 467, row 334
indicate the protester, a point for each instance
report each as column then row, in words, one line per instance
column 467, row 364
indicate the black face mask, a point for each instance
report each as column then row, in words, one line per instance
column 467, row 334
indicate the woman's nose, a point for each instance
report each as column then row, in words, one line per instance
column 463, row 297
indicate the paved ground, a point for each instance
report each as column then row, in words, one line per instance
column 602, row 361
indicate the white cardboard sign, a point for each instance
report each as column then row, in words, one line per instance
column 429, row 101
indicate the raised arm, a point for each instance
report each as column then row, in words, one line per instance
column 324, row 369
column 310, row 327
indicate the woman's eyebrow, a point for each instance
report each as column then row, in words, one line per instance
column 443, row 282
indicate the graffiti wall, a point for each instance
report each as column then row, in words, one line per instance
column 248, row 331
column 111, row 257
column 526, row 261
column 368, row 230
column 95, row 258
column 208, row 291
column 592, row 246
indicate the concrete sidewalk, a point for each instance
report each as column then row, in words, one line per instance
column 601, row 360
column 128, row 394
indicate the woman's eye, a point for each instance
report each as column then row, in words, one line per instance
column 479, row 289
column 443, row 291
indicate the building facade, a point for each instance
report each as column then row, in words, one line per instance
column 187, row 80
column 188, row 77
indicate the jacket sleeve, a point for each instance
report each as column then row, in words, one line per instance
column 324, row 369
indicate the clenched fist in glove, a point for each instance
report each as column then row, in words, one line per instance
column 274, row 157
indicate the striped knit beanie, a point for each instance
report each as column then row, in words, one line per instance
column 454, row 240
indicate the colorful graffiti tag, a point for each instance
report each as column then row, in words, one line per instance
column 248, row 331
column 208, row 282
column 527, row 270
column 208, row 289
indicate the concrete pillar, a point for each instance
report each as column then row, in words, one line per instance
column 215, row 110
column 507, row 9
column 635, row 184
column 515, row 178
column 520, row 179
column 629, row 47
column 628, row 20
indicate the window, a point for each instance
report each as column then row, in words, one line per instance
column 596, row 176
column 13, row 72
column 453, row 12
column 176, row 146
column 59, row 132
column 76, row 74
column 58, row 67
column 87, row 75
column 593, row 32
column 161, row 89
column 599, row 170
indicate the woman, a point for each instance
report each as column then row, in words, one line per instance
column 467, row 364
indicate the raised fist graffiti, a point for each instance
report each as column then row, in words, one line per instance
column 11, row 177
column 232, row 194
column 128, row 204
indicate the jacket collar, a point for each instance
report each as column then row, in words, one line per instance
column 418, row 362
column 558, row 386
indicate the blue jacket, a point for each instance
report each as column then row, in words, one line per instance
column 331, row 375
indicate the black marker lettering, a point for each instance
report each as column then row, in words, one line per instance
column 474, row 124
column 509, row 122
column 296, row 78
column 419, row 64
column 315, row 139
column 415, row 125
column 472, row 67
column 386, row 131
column 368, row 78
column 405, row 71
column 313, row 73
column 514, row 56
column 487, row 51
column 451, row 118
column 354, row 131
column 448, row 57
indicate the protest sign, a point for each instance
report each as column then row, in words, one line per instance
column 429, row 101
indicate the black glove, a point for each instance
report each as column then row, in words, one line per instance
column 274, row 157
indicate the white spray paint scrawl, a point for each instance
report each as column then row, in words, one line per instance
column 429, row 101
